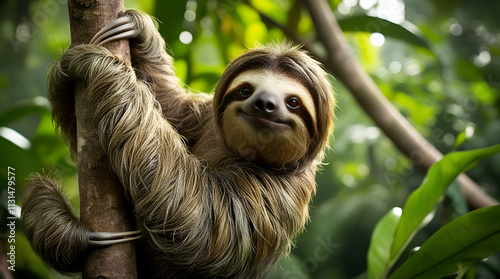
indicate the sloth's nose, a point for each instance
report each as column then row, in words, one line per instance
column 266, row 103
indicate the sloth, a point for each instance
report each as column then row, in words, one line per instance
column 220, row 185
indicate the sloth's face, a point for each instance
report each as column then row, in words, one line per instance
column 268, row 117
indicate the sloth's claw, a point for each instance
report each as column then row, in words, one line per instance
column 102, row 239
column 120, row 28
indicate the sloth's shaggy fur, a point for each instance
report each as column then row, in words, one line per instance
column 206, row 209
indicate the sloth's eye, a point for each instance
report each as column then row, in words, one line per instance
column 293, row 103
column 246, row 91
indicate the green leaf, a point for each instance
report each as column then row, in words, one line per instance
column 406, row 32
column 458, row 200
column 20, row 157
column 463, row 136
column 34, row 105
column 379, row 252
column 421, row 202
column 463, row 242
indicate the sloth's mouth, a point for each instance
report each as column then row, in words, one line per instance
column 266, row 122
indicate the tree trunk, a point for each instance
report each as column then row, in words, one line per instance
column 102, row 204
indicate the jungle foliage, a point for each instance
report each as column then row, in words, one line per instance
column 375, row 214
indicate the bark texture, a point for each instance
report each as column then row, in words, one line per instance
column 102, row 204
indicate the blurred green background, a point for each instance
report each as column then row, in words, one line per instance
column 449, row 85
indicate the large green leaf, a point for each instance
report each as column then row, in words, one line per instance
column 22, row 158
column 463, row 242
column 379, row 252
column 421, row 202
column 36, row 105
column 463, row 136
column 405, row 32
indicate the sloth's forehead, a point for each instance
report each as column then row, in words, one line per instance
column 276, row 82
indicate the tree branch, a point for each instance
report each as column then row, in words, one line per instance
column 345, row 66
column 102, row 204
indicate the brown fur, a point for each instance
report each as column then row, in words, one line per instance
column 205, row 210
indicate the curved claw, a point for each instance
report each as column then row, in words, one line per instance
column 117, row 22
column 124, row 35
column 102, row 239
column 120, row 28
